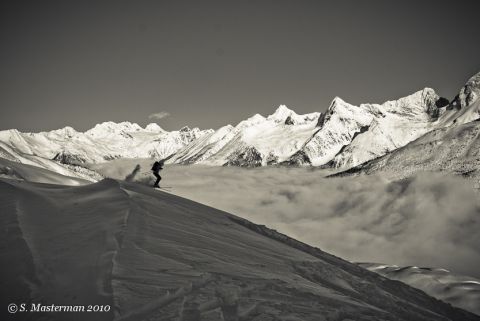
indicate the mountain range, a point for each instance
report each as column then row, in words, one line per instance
column 343, row 137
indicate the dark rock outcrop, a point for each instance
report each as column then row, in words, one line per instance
column 249, row 157
column 65, row 157
column 297, row 159
column 289, row 121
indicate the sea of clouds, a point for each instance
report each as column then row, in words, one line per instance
column 431, row 219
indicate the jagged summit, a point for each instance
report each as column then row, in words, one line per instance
column 336, row 100
column 469, row 93
column 281, row 114
column 337, row 106
column 465, row 107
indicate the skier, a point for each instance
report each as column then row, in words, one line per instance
column 157, row 167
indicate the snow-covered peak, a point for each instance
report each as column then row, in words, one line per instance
column 196, row 132
column 339, row 103
column 255, row 119
column 153, row 127
column 284, row 115
column 109, row 127
column 185, row 129
column 465, row 107
column 469, row 93
column 66, row 131
column 337, row 107
column 281, row 114
column 418, row 103
column 424, row 97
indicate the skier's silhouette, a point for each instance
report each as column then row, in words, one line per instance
column 157, row 167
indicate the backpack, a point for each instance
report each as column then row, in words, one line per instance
column 156, row 166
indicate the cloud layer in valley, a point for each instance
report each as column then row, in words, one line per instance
column 427, row 220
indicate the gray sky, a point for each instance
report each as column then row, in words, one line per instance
column 209, row 63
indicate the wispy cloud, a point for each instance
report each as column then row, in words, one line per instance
column 159, row 115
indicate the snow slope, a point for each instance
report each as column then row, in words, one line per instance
column 460, row 291
column 13, row 155
column 452, row 143
column 407, row 120
column 469, row 93
column 155, row 256
column 18, row 171
column 454, row 149
column 387, row 127
column 460, row 115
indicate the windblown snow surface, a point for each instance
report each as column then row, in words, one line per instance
column 155, row 256
column 14, row 170
column 458, row 290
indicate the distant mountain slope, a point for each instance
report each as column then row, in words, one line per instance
column 460, row 291
column 386, row 135
column 152, row 255
column 10, row 154
column 452, row 145
column 351, row 135
column 315, row 139
column 255, row 141
column 453, row 149
column 19, row 171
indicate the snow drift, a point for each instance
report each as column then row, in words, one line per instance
column 458, row 290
